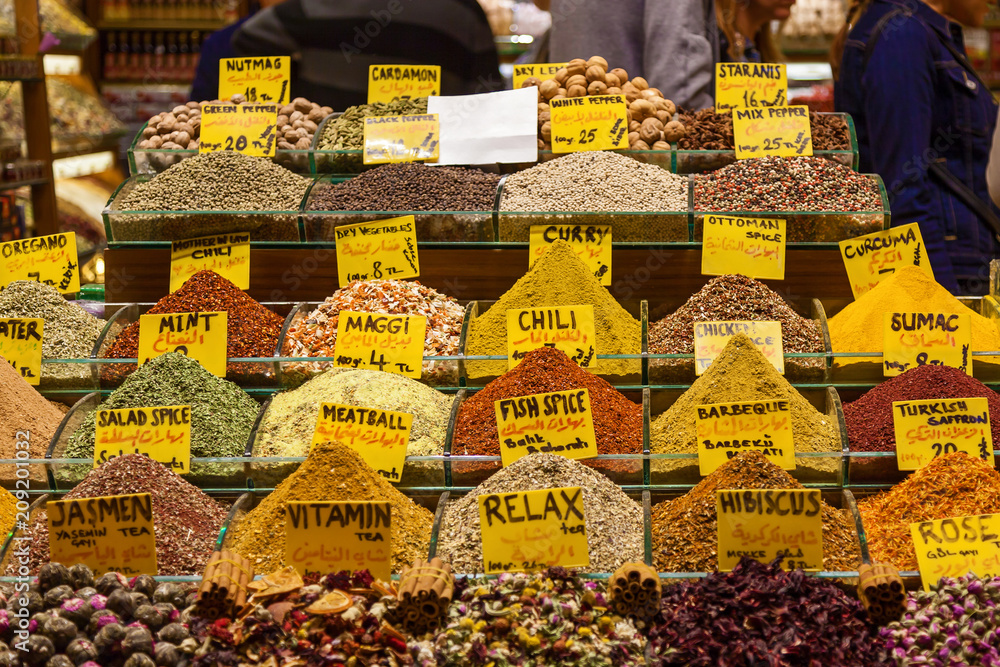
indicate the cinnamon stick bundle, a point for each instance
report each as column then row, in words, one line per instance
column 881, row 591
column 425, row 591
column 223, row 588
column 635, row 590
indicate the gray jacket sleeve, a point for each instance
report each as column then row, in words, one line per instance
column 264, row 33
column 993, row 167
column 681, row 49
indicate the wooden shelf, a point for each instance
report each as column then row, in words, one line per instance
column 29, row 62
column 164, row 24
column 14, row 185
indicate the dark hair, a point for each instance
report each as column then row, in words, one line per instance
column 854, row 12
column 725, row 16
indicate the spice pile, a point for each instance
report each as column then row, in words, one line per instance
column 786, row 184
column 870, row 418
column 742, row 373
column 70, row 332
column 762, row 615
column 651, row 123
column 287, row 427
column 685, row 529
column 8, row 510
column 617, row 420
column 331, row 472
column 557, row 278
column 734, row 298
column 949, row 486
column 614, row 521
column 222, row 414
column 347, row 131
column 252, row 330
column 111, row 621
column 186, row 521
column 316, row 334
column 597, row 181
column 954, row 623
column 546, row 618
column 711, row 131
column 859, row 326
column 28, row 413
column 180, row 128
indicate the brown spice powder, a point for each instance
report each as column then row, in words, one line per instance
column 26, row 412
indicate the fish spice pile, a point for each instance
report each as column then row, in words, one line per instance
column 685, row 529
column 951, row 485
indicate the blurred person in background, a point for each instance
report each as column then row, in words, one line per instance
column 924, row 120
column 333, row 42
column 745, row 33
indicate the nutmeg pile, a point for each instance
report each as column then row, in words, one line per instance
column 650, row 115
column 180, row 128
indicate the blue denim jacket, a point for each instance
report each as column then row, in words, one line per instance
column 913, row 104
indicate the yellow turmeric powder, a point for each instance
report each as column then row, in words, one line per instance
column 858, row 328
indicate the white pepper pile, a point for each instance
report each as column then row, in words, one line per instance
column 221, row 181
column 614, row 521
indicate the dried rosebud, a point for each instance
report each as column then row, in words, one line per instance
column 76, row 610
column 98, row 602
column 81, row 576
column 101, row 619
column 51, row 575
column 81, row 650
column 60, row 630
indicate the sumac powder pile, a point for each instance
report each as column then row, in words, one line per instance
column 728, row 298
column 252, row 329
column 331, row 472
column 685, row 529
column 708, row 130
column 762, row 615
column 617, row 420
column 186, row 521
column 870, row 418
column 27, row 412
column 949, row 486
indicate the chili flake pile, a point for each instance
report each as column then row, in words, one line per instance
column 950, row 486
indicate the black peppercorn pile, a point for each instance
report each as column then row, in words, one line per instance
column 409, row 187
column 111, row 622
column 186, row 521
column 710, row 131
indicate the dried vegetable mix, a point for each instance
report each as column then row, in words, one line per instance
column 870, row 418
column 859, row 326
column 222, row 414
column 316, row 334
column 617, row 420
column 287, row 427
column 708, row 130
column 331, row 472
column 614, row 521
column 186, row 521
column 762, row 615
column 954, row 623
column 252, row 330
column 546, row 618
column 952, row 485
column 742, row 373
column 557, row 278
column 685, row 529
column 28, row 413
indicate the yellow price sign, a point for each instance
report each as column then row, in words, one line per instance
column 956, row 546
column 533, row 530
column 259, row 79
column 772, row 131
column 383, row 249
column 391, row 83
column 566, row 328
column 921, row 339
column 45, row 259
column 201, row 336
column 591, row 243
column 754, row 247
column 380, row 437
column 244, row 128
column 726, row 429
column 765, row 524
column 21, row 346
column 595, row 123
column 558, row 422
column 742, row 85
column 927, row 429
column 226, row 254
column 391, row 343
column 162, row 433
column 710, row 338
column 107, row 534
column 401, row 139
column 872, row 258
column 329, row 536
column 540, row 71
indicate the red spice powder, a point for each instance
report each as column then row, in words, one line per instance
column 869, row 419
column 617, row 420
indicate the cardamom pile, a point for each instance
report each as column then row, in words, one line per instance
column 347, row 132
